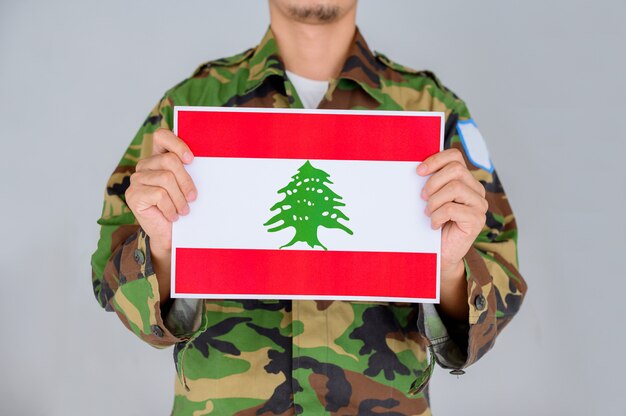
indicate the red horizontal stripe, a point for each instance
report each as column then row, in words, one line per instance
column 309, row 136
column 314, row 273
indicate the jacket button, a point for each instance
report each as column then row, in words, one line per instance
column 457, row 372
column 480, row 302
column 157, row 331
column 140, row 258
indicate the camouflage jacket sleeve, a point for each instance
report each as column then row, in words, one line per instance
column 494, row 285
column 122, row 275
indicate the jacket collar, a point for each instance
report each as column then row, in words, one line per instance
column 361, row 65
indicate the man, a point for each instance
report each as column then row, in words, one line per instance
column 312, row 357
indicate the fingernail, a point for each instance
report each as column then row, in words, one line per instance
column 426, row 211
column 185, row 210
column 175, row 218
column 187, row 157
column 423, row 195
column 422, row 169
column 191, row 196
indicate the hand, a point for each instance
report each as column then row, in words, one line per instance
column 455, row 201
column 160, row 189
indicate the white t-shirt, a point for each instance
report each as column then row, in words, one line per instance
column 310, row 91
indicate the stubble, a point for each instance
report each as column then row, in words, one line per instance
column 321, row 13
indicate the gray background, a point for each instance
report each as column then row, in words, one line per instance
column 544, row 79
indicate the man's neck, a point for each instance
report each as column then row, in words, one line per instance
column 315, row 51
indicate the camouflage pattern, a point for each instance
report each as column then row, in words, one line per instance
column 252, row 357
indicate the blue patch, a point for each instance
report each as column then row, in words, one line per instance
column 474, row 145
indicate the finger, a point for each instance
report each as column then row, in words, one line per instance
column 467, row 218
column 459, row 192
column 164, row 179
column 164, row 141
column 453, row 171
column 170, row 161
column 439, row 160
column 142, row 198
column 153, row 212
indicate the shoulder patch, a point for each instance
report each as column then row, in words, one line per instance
column 474, row 145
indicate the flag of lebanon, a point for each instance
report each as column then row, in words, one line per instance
column 307, row 204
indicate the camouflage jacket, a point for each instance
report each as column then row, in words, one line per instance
column 252, row 357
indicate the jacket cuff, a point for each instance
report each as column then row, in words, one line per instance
column 457, row 345
column 482, row 307
column 136, row 300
